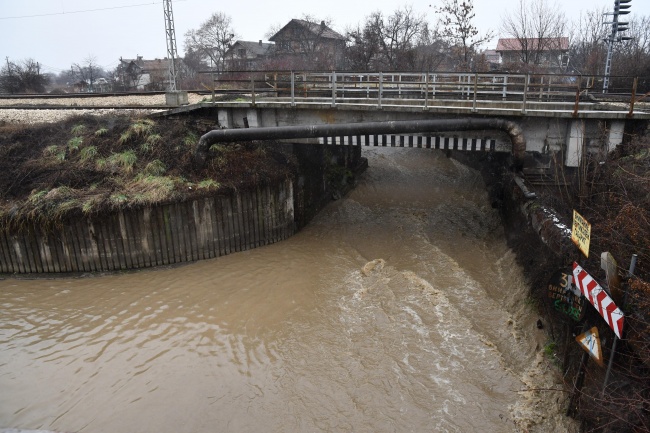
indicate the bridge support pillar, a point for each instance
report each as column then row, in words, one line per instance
column 224, row 117
column 615, row 136
column 251, row 116
column 574, row 143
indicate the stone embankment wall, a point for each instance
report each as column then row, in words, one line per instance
column 139, row 238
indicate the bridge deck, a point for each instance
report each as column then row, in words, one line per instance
column 491, row 94
column 463, row 107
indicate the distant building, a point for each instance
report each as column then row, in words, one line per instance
column 247, row 55
column 492, row 58
column 549, row 53
column 141, row 74
column 305, row 44
column 98, row 85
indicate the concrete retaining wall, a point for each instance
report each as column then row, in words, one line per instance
column 173, row 233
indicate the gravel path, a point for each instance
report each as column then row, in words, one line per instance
column 10, row 111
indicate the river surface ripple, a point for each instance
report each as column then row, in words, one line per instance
column 398, row 308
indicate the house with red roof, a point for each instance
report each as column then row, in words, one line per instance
column 552, row 53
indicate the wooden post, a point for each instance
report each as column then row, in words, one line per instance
column 633, row 97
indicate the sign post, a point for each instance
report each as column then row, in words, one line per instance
column 630, row 273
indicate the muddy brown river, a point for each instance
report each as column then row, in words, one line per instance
column 399, row 308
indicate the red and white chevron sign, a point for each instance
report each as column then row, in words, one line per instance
column 599, row 299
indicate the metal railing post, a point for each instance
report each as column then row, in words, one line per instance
column 433, row 87
column 475, row 86
column 333, row 88
column 381, row 89
column 577, row 103
column 399, row 86
column 526, row 82
column 253, row 90
column 426, row 91
column 293, row 89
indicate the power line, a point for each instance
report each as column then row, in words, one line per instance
column 83, row 11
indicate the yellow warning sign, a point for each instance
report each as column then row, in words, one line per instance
column 581, row 233
column 590, row 341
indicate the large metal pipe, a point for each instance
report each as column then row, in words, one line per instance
column 367, row 128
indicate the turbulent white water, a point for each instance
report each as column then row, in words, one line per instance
column 399, row 308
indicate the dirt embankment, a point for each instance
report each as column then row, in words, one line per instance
column 615, row 198
column 88, row 164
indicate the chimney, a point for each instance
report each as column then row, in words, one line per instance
column 260, row 42
column 322, row 24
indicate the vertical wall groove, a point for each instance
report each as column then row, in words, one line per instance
column 166, row 234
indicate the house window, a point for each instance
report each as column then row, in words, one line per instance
column 565, row 60
column 241, row 52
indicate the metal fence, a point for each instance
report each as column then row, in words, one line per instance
column 426, row 89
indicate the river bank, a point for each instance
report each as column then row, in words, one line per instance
column 615, row 198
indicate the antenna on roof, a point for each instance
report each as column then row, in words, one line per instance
column 171, row 43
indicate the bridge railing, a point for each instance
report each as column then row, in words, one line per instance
column 468, row 90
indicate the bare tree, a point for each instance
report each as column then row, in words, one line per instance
column 212, row 39
column 588, row 50
column 538, row 28
column 401, row 32
column 364, row 43
column 273, row 30
column 632, row 57
column 88, row 72
column 458, row 30
column 23, row 77
column 387, row 43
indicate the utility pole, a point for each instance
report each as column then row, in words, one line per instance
column 620, row 8
column 171, row 44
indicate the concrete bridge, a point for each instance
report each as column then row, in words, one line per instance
column 562, row 119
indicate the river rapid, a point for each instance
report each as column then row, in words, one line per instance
column 398, row 308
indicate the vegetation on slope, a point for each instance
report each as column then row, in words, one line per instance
column 90, row 165
column 615, row 198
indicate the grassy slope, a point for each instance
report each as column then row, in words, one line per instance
column 89, row 165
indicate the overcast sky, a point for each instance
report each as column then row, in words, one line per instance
column 57, row 33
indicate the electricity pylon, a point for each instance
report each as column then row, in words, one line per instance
column 171, row 44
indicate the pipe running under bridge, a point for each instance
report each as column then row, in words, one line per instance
column 366, row 128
